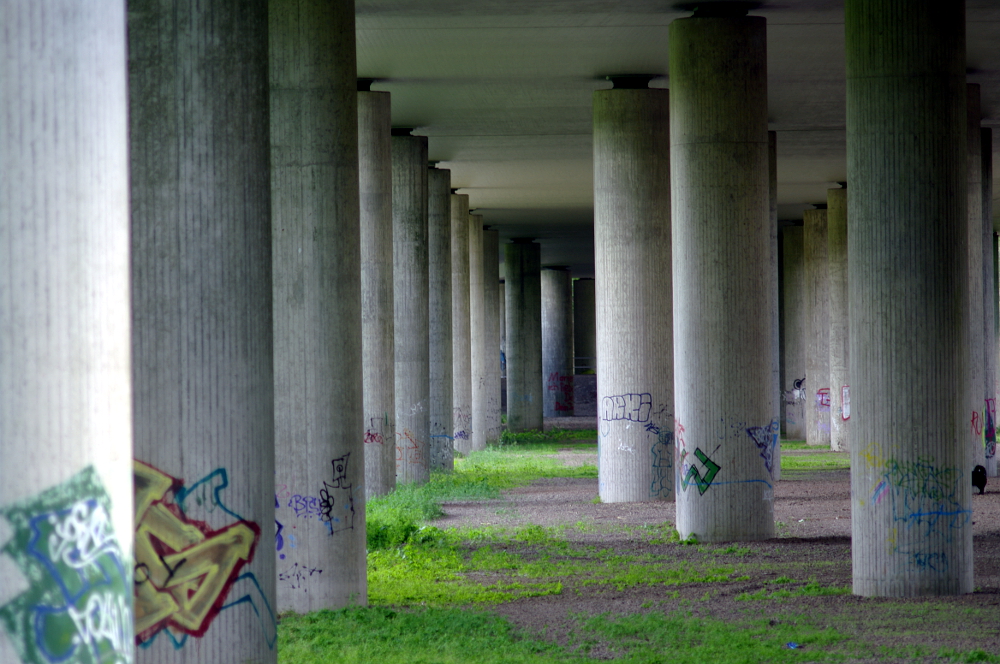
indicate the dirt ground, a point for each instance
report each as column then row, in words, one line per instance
column 813, row 516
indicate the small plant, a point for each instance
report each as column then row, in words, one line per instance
column 596, row 500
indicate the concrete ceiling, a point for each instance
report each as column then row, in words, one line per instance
column 503, row 89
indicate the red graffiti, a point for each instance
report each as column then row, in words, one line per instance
column 408, row 445
column 977, row 424
column 823, row 397
column 373, row 437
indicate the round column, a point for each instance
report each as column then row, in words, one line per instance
column 378, row 346
column 439, row 317
column 202, row 334
column 632, row 237
column 840, row 384
column 477, row 318
column 524, row 335
column 319, row 432
column 584, row 326
column 410, row 303
column 976, row 432
column 817, row 342
column 774, row 304
column 65, row 376
column 557, row 342
column 461, row 331
column 491, row 304
column 502, row 297
column 989, row 303
column 793, row 332
column 726, row 419
column 906, row 127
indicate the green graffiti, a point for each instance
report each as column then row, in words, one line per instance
column 78, row 606
column 694, row 477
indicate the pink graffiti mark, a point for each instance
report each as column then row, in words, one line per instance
column 977, row 423
column 823, row 398
column 373, row 437
column 407, row 444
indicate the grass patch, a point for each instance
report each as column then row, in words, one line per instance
column 809, row 589
column 551, row 436
column 817, row 461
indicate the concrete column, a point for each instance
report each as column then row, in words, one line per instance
column 65, row 378
column 410, row 304
column 635, row 396
column 727, row 417
column 584, row 325
column 477, row 318
column 907, row 156
column 378, row 346
column 491, row 302
column 439, row 317
column 989, row 303
column 775, row 300
column 502, row 297
column 793, row 332
column 202, row 333
column 524, row 335
column 817, row 341
column 460, row 324
column 976, row 432
column 557, row 342
column 318, row 416
column 840, row 384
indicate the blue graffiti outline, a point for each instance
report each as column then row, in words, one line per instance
column 181, row 494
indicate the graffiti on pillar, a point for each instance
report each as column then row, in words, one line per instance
column 926, row 509
column 766, row 440
column 794, row 400
column 463, row 424
column 186, row 571
column 977, row 424
column 408, row 449
column 75, row 608
column 630, row 407
column 989, row 428
column 701, row 478
column 336, row 498
column 296, row 576
column 562, row 385
column 845, row 400
column 823, row 399
column 662, row 450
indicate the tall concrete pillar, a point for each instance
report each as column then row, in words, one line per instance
column 502, row 297
column 491, row 303
column 440, row 408
column 557, row 342
column 793, row 332
column 202, row 352
column 584, row 325
column 635, row 396
column 775, row 300
column 817, row 342
column 461, row 330
column 524, row 335
column 65, row 378
column 726, row 416
column 837, row 258
column 378, row 346
column 907, row 156
column 976, row 432
column 477, row 321
column 989, row 303
column 318, row 415
column 410, row 304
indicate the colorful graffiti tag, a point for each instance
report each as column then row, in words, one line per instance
column 766, row 440
column 186, row 572
column 76, row 608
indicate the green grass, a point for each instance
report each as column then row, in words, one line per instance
column 816, row 461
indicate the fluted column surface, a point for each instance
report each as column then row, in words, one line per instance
column 439, row 316
column 492, row 308
column 557, row 342
column 837, row 259
column 461, row 330
column 817, row 343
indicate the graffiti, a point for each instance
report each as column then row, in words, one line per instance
column 338, row 492
column 989, row 430
column 766, row 440
column 693, row 476
column 977, row 424
column 797, row 394
column 679, row 433
column 296, row 575
column 631, row 407
column 305, row 507
column 663, row 462
column 845, row 400
column 463, row 424
column 185, row 569
column 823, row 399
column 76, row 607
column 373, row 437
column 409, row 449
column 563, row 386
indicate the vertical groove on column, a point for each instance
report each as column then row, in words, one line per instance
column 319, row 402
column 726, row 415
column 378, row 357
column 491, row 305
column 635, row 369
column 460, row 324
column 794, row 334
column 837, row 259
column 772, row 196
column 817, row 274
column 202, row 325
column 410, row 304
column 989, row 301
column 439, row 317
column 524, row 336
column 557, row 342
column 65, row 379
column 908, row 278
column 477, row 323
column 976, row 432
